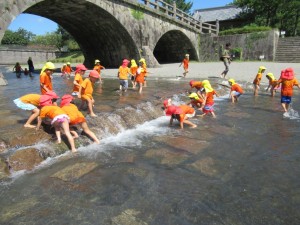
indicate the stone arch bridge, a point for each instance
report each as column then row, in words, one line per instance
column 111, row 30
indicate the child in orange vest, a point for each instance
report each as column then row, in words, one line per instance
column 76, row 117
column 46, row 77
column 133, row 71
column 272, row 84
column 86, row 91
column 58, row 117
column 79, row 72
column 287, row 81
column 235, row 90
column 98, row 67
column 18, row 69
column 29, row 102
column 208, row 99
column 181, row 113
column 256, row 81
column 185, row 63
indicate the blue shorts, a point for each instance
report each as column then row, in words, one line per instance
column 124, row 84
column 286, row 99
column 236, row 93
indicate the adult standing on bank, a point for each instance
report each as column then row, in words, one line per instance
column 226, row 58
column 30, row 66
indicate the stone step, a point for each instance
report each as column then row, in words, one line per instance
column 288, row 50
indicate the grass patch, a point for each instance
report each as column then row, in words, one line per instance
column 72, row 57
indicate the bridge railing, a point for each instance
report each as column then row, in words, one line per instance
column 172, row 11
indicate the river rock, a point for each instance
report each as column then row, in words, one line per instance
column 205, row 166
column 25, row 159
column 167, row 157
column 75, row 171
column 128, row 217
column 4, row 171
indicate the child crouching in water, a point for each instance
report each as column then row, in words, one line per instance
column 235, row 90
column 181, row 113
column 76, row 117
column 272, row 83
column 58, row 117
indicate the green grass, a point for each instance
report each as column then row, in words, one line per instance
column 72, row 57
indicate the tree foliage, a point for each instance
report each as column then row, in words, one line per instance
column 19, row 37
column 281, row 14
column 49, row 39
column 181, row 4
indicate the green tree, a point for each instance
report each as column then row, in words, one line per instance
column 19, row 37
column 281, row 14
column 49, row 39
column 181, row 4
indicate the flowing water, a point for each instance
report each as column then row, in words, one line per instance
column 240, row 168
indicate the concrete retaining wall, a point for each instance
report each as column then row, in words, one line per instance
column 12, row 56
column 253, row 45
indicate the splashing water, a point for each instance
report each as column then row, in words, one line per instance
column 291, row 113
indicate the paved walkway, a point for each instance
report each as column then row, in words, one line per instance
column 244, row 71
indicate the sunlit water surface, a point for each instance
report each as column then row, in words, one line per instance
column 240, row 168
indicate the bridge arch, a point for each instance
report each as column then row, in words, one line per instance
column 172, row 47
column 108, row 30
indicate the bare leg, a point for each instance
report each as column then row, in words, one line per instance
column 89, row 132
column 90, row 106
column 35, row 114
column 190, row 123
column 140, row 87
column 65, row 126
column 57, row 132
column 74, row 134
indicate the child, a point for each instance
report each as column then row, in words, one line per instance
column 46, row 77
column 257, row 79
column 195, row 101
column 208, row 99
column 63, row 70
column 235, row 91
column 18, row 69
column 287, row 81
column 26, row 72
column 58, row 117
column 272, row 83
column 98, row 68
column 140, row 76
column 79, row 72
column 133, row 70
column 143, row 65
column 182, row 113
column 123, row 75
column 68, row 70
column 76, row 116
column 86, row 91
column 29, row 102
column 185, row 63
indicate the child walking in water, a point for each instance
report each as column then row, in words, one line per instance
column 46, row 77
column 256, row 81
column 133, row 71
column 98, row 67
column 68, row 70
column 79, row 72
column 86, row 91
column 123, row 73
column 76, row 117
column 287, row 81
column 143, row 65
column 185, row 63
column 235, row 91
column 208, row 99
column 63, row 70
column 140, row 76
column 58, row 117
column 29, row 102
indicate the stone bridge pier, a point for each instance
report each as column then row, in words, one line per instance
column 111, row 30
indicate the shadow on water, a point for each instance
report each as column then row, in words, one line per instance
column 240, row 168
